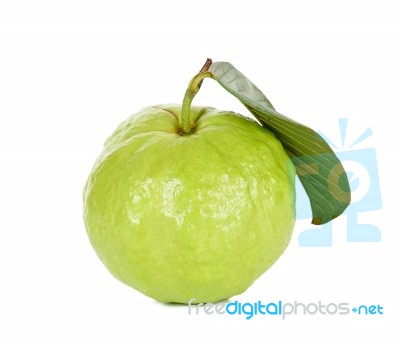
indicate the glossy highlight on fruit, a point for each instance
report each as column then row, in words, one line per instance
column 199, row 215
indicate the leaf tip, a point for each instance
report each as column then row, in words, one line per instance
column 316, row 221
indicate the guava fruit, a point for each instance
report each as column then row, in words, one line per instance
column 196, row 214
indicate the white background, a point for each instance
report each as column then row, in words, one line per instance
column 71, row 71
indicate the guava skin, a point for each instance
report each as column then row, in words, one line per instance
column 200, row 215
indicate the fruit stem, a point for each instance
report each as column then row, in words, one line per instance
column 193, row 88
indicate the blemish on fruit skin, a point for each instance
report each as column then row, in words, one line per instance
column 169, row 112
column 180, row 132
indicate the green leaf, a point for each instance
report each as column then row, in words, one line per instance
column 318, row 168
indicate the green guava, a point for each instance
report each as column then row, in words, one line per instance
column 198, row 215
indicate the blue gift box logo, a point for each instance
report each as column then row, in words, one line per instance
column 362, row 170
